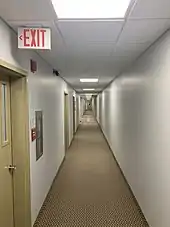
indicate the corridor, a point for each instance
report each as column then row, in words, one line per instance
column 90, row 189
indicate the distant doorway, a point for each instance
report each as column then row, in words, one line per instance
column 95, row 106
column 74, row 115
column 89, row 105
column 66, row 126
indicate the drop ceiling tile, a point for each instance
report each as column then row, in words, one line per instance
column 100, row 49
column 118, row 59
column 131, row 51
column 151, row 9
column 144, row 31
column 126, row 47
column 90, row 31
column 27, row 10
column 89, row 49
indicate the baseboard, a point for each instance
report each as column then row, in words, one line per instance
column 134, row 198
column 73, row 137
column 70, row 143
column 59, row 169
column 77, row 128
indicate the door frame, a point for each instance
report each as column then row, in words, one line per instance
column 20, row 143
column 74, row 115
column 95, row 106
column 77, row 112
column 66, row 122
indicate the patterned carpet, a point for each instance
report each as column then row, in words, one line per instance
column 90, row 190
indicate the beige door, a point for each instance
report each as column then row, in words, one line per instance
column 95, row 106
column 6, row 168
column 66, row 128
column 74, row 115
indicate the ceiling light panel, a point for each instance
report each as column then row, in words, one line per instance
column 88, row 89
column 88, row 9
column 90, row 80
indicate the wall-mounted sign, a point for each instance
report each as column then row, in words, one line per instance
column 34, row 38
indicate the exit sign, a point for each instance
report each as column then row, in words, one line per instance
column 34, row 38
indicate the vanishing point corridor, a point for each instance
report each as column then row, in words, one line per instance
column 90, row 189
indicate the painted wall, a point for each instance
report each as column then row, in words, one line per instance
column 77, row 111
column 49, row 93
column 94, row 105
column 82, row 107
column 134, row 113
column 46, row 92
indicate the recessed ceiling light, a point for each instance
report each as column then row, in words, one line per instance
column 90, row 9
column 89, row 94
column 88, row 89
column 90, row 80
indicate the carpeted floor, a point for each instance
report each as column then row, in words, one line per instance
column 90, row 191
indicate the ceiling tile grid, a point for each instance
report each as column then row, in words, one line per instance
column 155, row 9
column 32, row 10
column 90, row 31
column 90, row 49
column 144, row 31
column 96, row 48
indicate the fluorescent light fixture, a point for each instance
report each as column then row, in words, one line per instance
column 90, row 80
column 88, row 89
column 90, row 9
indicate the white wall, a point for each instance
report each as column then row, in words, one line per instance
column 134, row 113
column 94, row 105
column 82, row 107
column 46, row 92
column 77, row 111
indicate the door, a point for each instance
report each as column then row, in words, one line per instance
column 77, row 112
column 6, row 169
column 95, row 106
column 74, row 114
column 66, row 129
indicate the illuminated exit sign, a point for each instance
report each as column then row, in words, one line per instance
column 34, row 38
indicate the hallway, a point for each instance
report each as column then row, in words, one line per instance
column 90, row 190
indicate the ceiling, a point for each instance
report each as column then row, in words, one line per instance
column 102, row 49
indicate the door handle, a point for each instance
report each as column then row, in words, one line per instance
column 10, row 167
